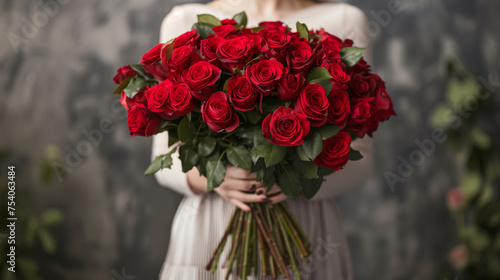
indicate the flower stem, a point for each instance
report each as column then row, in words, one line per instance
column 246, row 237
column 221, row 245
column 289, row 248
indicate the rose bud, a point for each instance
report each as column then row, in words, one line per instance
column 459, row 257
column 339, row 107
column 235, row 52
column 241, row 93
column 141, row 122
column 300, row 57
column 265, row 75
column 290, row 86
column 313, row 103
column 335, row 153
column 124, row 73
column 201, row 78
column 152, row 56
column 455, row 200
column 190, row 38
column 182, row 58
column 218, row 113
column 285, row 127
column 228, row 21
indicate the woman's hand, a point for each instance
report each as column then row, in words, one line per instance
column 239, row 187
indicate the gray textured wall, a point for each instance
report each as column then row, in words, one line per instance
column 55, row 85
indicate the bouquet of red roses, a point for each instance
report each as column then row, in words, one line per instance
column 285, row 105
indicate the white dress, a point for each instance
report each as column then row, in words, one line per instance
column 200, row 221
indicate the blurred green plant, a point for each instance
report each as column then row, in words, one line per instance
column 475, row 203
column 33, row 230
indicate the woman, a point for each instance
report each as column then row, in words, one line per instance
column 202, row 217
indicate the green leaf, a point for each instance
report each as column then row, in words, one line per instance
column 257, row 29
column 206, row 146
column 441, row 116
column 239, row 156
column 204, row 29
column 269, row 178
column 302, row 30
column 122, row 86
column 355, row 155
column 189, row 157
column 253, row 116
column 166, row 52
column 270, row 105
column 459, row 91
column 272, row 154
column 311, row 186
column 241, row 19
column 216, row 171
column 140, row 70
column 327, row 85
column 325, row 171
column 155, row 166
column 307, row 169
column 480, row 138
column 289, row 182
column 327, row 130
column 186, row 130
column 47, row 240
column 351, row 55
column 52, row 217
column 318, row 74
column 134, row 86
column 302, row 155
column 471, row 184
column 313, row 145
column 210, row 19
column 173, row 137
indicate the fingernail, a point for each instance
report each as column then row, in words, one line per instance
column 264, row 199
column 253, row 187
column 259, row 192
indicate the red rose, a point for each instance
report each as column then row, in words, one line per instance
column 335, row 153
column 325, row 35
column 275, row 43
column 285, row 127
column 235, row 53
column 300, row 57
column 141, row 122
column 255, row 40
column 383, row 101
column 228, row 21
column 265, row 75
column 339, row 107
column 290, row 86
column 328, row 51
column 182, row 58
column 313, row 103
column 339, row 76
column 273, row 25
column 201, row 78
column 223, row 30
column 180, row 102
column 362, row 86
column 190, row 38
column 208, row 50
column 152, row 56
column 157, row 97
column 361, row 112
column 241, row 93
column 124, row 73
column 218, row 113
column 139, row 98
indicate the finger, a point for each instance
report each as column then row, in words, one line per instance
column 242, row 185
column 278, row 198
column 240, row 204
column 246, row 197
column 239, row 173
